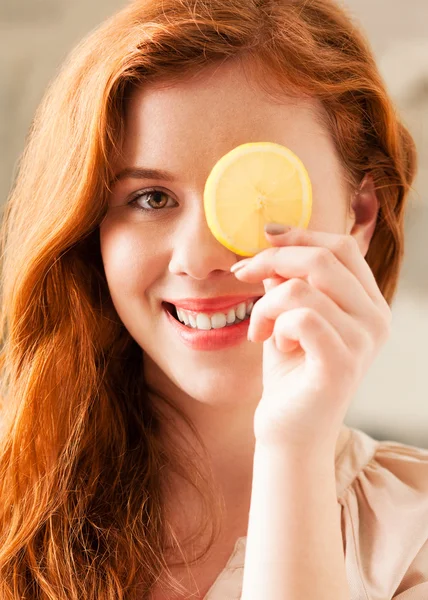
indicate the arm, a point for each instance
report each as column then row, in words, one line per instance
column 322, row 321
column 294, row 544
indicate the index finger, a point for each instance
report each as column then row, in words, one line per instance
column 344, row 247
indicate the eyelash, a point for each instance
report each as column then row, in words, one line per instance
column 133, row 203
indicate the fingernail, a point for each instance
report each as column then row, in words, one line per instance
column 239, row 265
column 276, row 228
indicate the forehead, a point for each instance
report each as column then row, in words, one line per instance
column 221, row 102
column 186, row 125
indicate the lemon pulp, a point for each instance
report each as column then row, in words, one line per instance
column 255, row 184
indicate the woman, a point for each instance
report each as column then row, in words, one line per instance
column 144, row 459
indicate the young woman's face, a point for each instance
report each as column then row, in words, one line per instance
column 169, row 253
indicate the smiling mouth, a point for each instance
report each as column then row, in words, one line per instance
column 211, row 321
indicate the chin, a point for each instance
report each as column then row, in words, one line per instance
column 221, row 387
column 220, row 378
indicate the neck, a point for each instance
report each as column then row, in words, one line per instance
column 227, row 435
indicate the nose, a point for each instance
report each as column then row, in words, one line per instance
column 195, row 250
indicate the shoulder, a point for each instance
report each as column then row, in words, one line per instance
column 382, row 489
column 393, row 466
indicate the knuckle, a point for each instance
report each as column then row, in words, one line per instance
column 296, row 288
column 323, row 257
column 361, row 340
column 308, row 317
column 380, row 326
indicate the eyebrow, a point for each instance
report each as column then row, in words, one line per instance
column 142, row 173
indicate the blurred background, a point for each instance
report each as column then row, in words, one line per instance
column 392, row 402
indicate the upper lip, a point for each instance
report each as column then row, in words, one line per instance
column 209, row 304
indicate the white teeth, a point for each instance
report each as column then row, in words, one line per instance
column 183, row 316
column 218, row 320
column 230, row 317
column 203, row 321
column 241, row 310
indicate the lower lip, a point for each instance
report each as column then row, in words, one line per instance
column 213, row 339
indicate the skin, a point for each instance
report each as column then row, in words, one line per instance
column 185, row 128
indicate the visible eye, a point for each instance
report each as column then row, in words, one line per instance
column 156, row 199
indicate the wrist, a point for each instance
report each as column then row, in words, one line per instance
column 308, row 453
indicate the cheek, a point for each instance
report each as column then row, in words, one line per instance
column 330, row 193
column 329, row 209
column 130, row 265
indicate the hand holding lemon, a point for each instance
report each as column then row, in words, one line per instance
column 323, row 317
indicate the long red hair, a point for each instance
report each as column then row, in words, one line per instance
column 81, row 504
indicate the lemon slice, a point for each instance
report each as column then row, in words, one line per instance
column 251, row 185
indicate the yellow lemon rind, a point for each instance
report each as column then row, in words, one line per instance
column 217, row 172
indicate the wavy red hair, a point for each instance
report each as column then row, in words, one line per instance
column 81, row 497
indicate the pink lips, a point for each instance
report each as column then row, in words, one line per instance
column 214, row 339
column 208, row 305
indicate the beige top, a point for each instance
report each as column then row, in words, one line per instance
column 382, row 488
